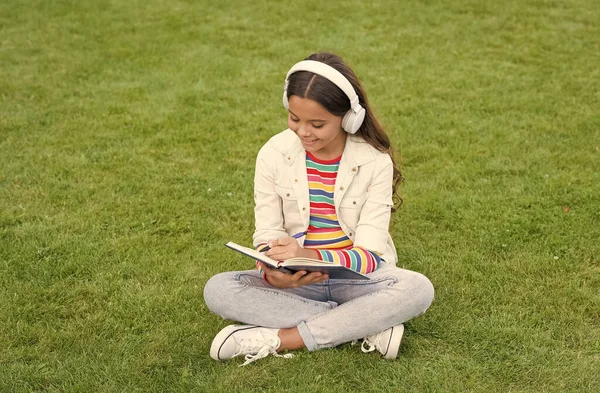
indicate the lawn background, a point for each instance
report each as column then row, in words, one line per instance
column 128, row 131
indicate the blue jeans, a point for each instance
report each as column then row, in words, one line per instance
column 326, row 314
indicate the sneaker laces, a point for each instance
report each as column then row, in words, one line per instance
column 372, row 342
column 261, row 348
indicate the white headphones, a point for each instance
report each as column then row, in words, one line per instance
column 353, row 119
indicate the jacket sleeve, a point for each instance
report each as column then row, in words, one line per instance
column 268, row 208
column 372, row 230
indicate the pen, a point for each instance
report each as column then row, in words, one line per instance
column 296, row 236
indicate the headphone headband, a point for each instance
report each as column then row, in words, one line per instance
column 355, row 116
column 327, row 72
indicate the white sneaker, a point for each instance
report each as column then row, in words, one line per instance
column 253, row 341
column 386, row 342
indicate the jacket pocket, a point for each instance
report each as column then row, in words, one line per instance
column 285, row 193
column 292, row 218
column 353, row 202
column 350, row 209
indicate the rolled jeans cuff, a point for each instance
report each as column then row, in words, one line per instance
column 307, row 337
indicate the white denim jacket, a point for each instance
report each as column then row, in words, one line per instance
column 362, row 196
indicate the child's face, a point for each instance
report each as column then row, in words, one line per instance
column 319, row 131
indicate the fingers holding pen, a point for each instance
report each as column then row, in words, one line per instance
column 283, row 248
column 289, row 243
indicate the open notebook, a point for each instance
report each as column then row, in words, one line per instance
column 291, row 265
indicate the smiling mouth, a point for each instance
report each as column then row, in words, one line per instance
column 309, row 141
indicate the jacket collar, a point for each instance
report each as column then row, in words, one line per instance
column 357, row 152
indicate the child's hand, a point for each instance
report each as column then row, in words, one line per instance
column 286, row 248
column 280, row 279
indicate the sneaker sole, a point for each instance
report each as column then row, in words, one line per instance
column 393, row 344
column 222, row 336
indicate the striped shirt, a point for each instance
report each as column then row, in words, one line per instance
column 324, row 233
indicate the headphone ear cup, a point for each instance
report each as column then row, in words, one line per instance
column 346, row 121
column 286, row 104
column 352, row 121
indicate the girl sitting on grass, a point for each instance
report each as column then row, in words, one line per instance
column 332, row 175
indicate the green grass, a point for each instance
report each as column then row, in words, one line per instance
column 128, row 131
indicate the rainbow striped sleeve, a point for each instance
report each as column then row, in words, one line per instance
column 356, row 258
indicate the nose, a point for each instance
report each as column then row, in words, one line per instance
column 303, row 131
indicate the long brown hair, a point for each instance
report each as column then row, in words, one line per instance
column 306, row 84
